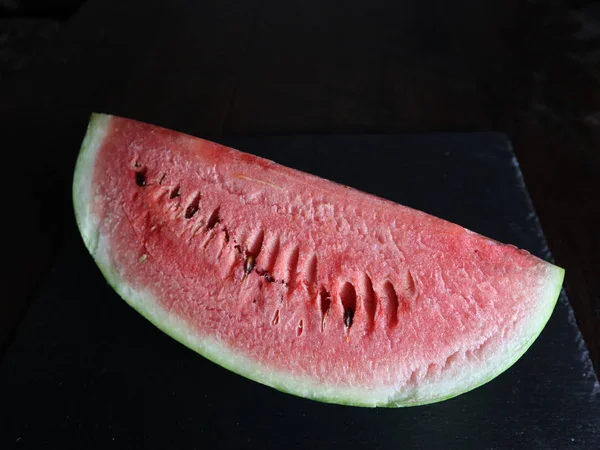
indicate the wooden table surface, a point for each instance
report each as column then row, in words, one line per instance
column 530, row 69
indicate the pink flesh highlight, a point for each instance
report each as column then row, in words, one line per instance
column 456, row 290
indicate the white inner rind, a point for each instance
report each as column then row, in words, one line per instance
column 463, row 375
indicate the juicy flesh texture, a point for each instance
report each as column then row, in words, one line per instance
column 301, row 274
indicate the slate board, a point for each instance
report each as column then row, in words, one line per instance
column 86, row 371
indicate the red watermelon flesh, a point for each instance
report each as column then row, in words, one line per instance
column 299, row 283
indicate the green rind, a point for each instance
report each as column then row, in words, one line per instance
column 215, row 351
column 554, row 296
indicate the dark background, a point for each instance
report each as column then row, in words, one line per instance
column 221, row 68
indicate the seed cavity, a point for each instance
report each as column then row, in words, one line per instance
column 300, row 328
column 325, row 305
column 275, row 319
column 411, row 286
column 432, row 369
column 292, row 267
column 311, row 270
column 208, row 237
column 369, row 300
column 413, row 377
column 256, row 244
column 140, row 177
column 451, row 360
column 348, row 299
column 391, row 303
column 214, row 219
column 162, row 178
column 222, row 246
column 270, row 254
column 192, row 208
column 174, row 192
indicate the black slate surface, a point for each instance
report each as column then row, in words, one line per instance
column 86, row 371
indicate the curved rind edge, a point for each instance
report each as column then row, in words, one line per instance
column 215, row 351
column 550, row 298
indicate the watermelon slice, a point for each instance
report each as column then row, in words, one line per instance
column 299, row 283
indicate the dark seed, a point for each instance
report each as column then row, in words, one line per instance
column 249, row 264
column 140, row 179
column 348, row 317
